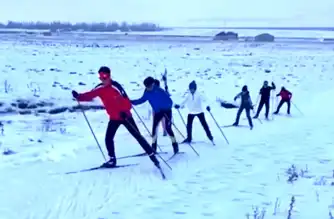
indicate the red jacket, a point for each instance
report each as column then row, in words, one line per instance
column 112, row 100
column 285, row 94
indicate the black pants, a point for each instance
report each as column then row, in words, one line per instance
column 247, row 109
column 267, row 105
column 167, row 114
column 131, row 126
column 203, row 122
column 281, row 104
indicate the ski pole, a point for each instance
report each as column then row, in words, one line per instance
column 257, row 102
column 181, row 134
column 272, row 105
column 136, row 130
column 258, row 118
column 141, row 120
column 178, row 110
column 297, row 108
column 90, row 127
column 220, row 129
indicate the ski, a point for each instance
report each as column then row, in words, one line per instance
column 198, row 142
column 101, row 167
column 174, row 155
column 237, row 126
column 139, row 155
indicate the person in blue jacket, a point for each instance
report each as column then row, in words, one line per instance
column 161, row 104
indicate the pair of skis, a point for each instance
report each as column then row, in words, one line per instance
column 127, row 165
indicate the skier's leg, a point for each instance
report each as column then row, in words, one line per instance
column 206, row 128
column 259, row 109
column 267, row 104
column 249, row 117
column 288, row 102
column 163, row 125
column 190, row 120
column 156, row 120
column 279, row 107
column 168, row 117
column 109, row 141
column 130, row 125
column 241, row 108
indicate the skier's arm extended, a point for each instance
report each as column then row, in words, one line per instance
column 237, row 96
column 141, row 100
column 89, row 96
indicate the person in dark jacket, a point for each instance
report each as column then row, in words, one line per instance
column 118, row 107
column 246, row 104
column 265, row 98
column 161, row 104
column 285, row 98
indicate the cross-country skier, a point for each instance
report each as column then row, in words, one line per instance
column 118, row 107
column 265, row 98
column 163, row 121
column 194, row 102
column 161, row 104
column 246, row 104
column 285, row 98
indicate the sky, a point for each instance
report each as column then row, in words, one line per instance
column 175, row 12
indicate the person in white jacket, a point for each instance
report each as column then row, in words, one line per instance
column 194, row 102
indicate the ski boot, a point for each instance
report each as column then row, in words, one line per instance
column 110, row 163
column 175, row 147
column 186, row 141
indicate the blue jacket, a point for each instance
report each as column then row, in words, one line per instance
column 158, row 98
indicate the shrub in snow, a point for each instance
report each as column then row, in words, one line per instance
column 8, row 152
column 226, row 36
column 264, row 37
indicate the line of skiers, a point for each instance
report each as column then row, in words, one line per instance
column 118, row 107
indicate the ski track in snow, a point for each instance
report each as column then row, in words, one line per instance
column 226, row 181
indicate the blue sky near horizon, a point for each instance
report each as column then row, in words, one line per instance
column 176, row 12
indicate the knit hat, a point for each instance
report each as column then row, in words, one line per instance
column 244, row 88
column 149, row 81
column 193, row 85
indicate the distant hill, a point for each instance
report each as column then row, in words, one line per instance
column 263, row 28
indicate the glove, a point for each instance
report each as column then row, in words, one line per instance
column 252, row 107
column 272, row 84
column 177, row 106
column 123, row 115
column 75, row 94
column 235, row 99
column 208, row 108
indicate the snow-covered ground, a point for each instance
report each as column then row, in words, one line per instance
column 226, row 181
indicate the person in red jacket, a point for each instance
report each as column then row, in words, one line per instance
column 285, row 98
column 118, row 107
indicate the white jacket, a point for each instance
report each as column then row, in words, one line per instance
column 194, row 102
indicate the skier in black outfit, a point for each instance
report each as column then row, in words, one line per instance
column 265, row 98
column 246, row 104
